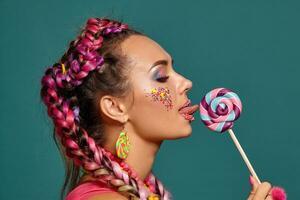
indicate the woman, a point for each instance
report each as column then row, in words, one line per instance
column 114, row 97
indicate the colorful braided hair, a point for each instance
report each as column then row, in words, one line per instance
column 92, row 66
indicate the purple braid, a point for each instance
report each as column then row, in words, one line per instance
column 86, row 47
column 60, row 94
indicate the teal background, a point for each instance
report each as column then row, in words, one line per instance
column 251, row 47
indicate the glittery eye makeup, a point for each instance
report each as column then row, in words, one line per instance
column 160, row 75
column 161, row 95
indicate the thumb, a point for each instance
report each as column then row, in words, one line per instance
column 254, row 185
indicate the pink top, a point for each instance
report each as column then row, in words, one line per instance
column 88, row 189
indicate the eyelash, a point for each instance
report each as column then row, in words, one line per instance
column 162, row 79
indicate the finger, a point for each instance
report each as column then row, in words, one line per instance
column 251, row 195
column 254, row 184
column 269, row 197
column 262, row 191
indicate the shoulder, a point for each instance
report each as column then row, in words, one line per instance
column 94, row 190
column 108, row 196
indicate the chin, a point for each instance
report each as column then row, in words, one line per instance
column 188, row 130
column 187, row 134
column 184, row 133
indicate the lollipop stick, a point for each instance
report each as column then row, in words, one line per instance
column 239, row 147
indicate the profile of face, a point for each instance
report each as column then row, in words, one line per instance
column 158, row 91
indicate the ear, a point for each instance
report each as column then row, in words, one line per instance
column 113, row 108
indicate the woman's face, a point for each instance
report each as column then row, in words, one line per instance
column 158, row 91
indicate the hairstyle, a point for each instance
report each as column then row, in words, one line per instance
column 93, row 66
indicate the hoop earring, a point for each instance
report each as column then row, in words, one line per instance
column 123, row 145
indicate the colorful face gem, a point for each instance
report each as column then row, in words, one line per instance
column 162, row 95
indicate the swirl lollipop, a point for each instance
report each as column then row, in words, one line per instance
column 219, row 109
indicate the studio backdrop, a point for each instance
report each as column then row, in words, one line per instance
column 251, row 47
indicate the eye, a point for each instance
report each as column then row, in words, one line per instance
column 160, row 75
column 162, row 79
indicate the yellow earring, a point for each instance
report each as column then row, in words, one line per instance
column 123, row 145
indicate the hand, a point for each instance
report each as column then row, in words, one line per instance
column 260, row 191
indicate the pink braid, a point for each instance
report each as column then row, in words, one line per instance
column 80, row 61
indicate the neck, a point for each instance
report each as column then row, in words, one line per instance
column 141, row 155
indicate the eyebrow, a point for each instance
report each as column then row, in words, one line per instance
column 161, row 62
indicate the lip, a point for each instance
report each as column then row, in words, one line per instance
column 187, row 110
column 187, row 103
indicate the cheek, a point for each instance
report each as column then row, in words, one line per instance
column 154, row 115
column 153, row 112
column 160, row 96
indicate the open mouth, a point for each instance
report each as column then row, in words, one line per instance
column 187, row 110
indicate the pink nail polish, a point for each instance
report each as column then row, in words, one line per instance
column 251, row 180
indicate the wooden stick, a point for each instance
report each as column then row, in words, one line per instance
column 239, row 147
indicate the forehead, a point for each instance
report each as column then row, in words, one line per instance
column 143, row 51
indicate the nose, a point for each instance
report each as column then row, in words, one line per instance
column 185, row 85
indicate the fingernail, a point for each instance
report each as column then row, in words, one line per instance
column 251, row 180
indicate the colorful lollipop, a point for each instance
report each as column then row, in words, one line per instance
column 218, row 110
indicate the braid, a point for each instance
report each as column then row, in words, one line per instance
column 67, row 93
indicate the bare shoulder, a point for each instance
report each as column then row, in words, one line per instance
column 108, row 196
